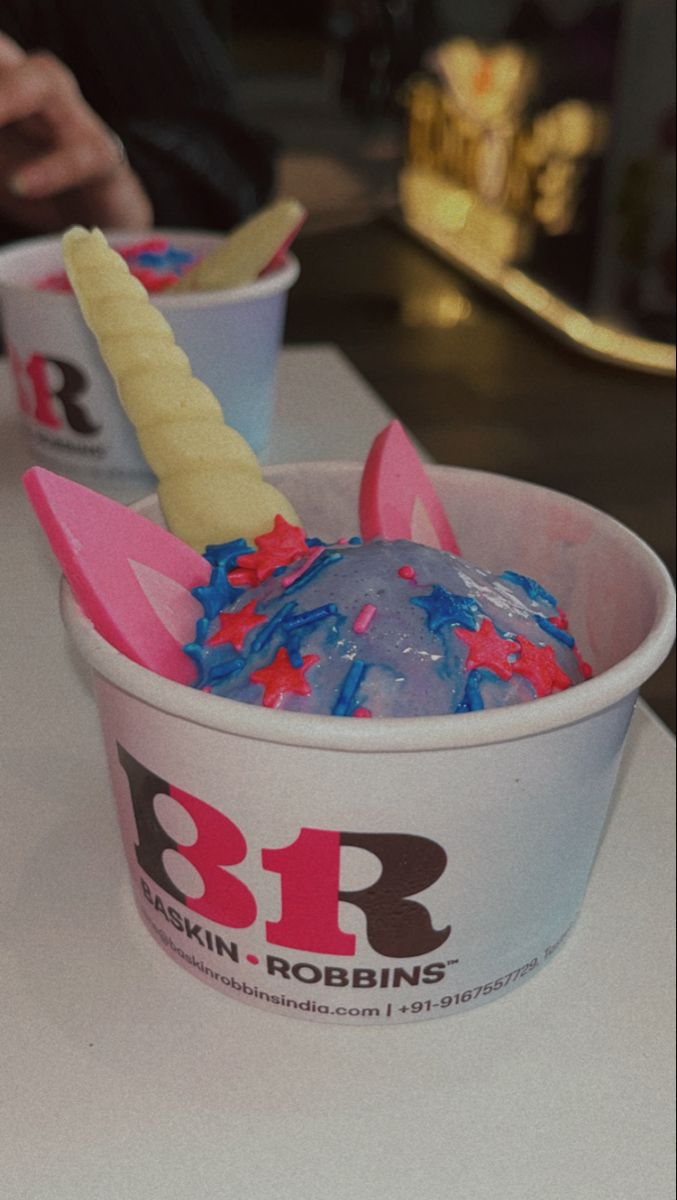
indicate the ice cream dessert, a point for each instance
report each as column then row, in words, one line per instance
column 375, row 629
column 255, row 247
column 154, row 262
column 421, row 866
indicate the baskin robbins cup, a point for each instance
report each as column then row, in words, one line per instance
column 386, row 871
column 64, row 391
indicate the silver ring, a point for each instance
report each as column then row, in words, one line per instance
column 118, row 148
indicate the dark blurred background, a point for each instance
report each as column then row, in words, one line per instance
column 549, row 125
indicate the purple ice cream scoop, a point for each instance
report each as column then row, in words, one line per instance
column 379, row 629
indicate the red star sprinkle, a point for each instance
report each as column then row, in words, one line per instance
column 486, row 648
column 285, row 544
column 281, row 678
column 234, row 627
column 561, row 621
column 585, row 668
column 539, row 665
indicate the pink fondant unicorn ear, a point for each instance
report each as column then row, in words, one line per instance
column 131, row 578
column 397, row 499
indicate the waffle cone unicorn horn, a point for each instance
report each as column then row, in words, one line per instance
column 210, row 485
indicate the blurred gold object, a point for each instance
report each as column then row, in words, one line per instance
column 436, row 308
column 484, row 182
column 528, row 172
column 568, row 323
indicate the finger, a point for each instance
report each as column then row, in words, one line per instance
column 39, row 83
column 11, row 54
column 95, row 157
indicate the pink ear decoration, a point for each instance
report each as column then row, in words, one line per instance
column 397, row 499
column 131, row 578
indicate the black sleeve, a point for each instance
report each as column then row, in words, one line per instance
column 160, row 76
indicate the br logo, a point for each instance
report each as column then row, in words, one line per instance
column 309, row 871
column 51, row 392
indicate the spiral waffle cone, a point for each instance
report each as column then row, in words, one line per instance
column 210, row 484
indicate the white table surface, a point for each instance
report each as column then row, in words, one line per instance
column 115, row 1087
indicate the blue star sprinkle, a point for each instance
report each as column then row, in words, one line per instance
column 554, row 630
column 533, row 589
column 472, row 699
column 443, row 608
column 226, row 553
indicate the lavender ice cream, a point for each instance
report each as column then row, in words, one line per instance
column 375, row 629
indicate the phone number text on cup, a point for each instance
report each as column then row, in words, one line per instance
column 466, row 997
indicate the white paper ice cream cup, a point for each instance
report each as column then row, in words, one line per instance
column 64, row 391
column 386, row 871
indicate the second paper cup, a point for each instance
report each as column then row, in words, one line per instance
column 69, row 405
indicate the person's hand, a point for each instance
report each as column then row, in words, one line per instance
column 59, row 162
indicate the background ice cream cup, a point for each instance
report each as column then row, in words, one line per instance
column 386, row 871
column 72, row 414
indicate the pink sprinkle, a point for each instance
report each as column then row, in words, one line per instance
column 362, row 712
column 305, row 566
column 364, row 619
column 406, row 573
